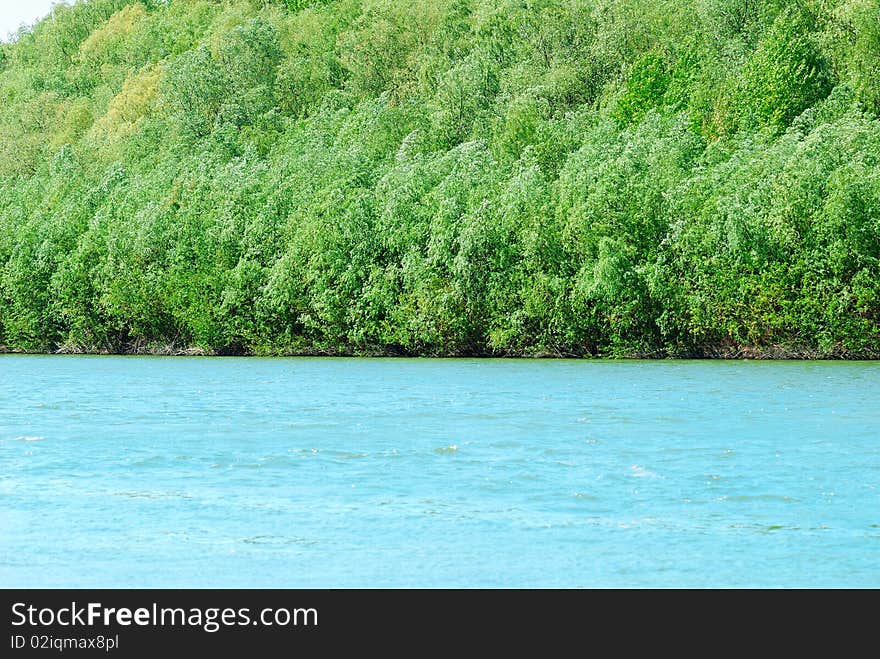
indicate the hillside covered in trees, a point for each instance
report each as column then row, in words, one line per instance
column 559, row 177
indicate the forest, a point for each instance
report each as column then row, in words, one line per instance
column 584, row 178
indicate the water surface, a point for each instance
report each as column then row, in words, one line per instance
column 244, row 472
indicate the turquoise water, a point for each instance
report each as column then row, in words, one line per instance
column 237, row 472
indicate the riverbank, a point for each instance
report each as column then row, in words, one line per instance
column 717, row 352
column 576, row 179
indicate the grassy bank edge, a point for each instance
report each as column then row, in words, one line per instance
column 719, row 352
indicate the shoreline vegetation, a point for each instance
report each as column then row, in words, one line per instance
column 771, row 353
column 534, row 178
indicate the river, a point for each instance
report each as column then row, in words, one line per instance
column 321, row 472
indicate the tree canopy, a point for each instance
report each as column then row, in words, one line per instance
column 508, row 177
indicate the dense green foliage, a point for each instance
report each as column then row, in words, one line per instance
column 571, row 177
